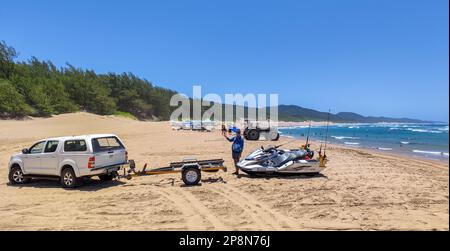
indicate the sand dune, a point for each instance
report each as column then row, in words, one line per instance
column 360, row 189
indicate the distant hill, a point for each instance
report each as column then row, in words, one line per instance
column 294, row 113
column 297, row 113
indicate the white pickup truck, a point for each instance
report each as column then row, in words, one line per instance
column 69, row 159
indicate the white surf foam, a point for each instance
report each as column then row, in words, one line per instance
column 427, row 152
column 384, row 149
column 405, row 142
column 423, row 130
column 293, row 127
column 351, row 143
column 445, row 154
column 344, row 137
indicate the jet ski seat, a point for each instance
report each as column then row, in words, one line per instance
column 281, row 159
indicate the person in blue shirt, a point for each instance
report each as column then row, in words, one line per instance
column 236, row 148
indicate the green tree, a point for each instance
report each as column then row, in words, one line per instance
column 48, row 90
column 7, row 56
column 12, row 103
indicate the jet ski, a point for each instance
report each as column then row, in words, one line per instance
column 272, row 160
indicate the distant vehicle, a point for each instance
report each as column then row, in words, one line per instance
column 255, row 129
column 187, row 125
column 196, row 125
column 69, row 159
column 203, row 125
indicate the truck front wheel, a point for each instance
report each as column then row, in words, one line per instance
column 274, row 136
column 16, row 176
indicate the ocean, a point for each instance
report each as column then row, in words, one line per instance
column 421, row 140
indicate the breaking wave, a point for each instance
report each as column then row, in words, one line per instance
column 428, row 152
column 423, row 130
column 344, row 137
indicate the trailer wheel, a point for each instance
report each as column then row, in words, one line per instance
column 191, row 176
column 253, row 135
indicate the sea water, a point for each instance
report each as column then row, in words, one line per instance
column 422, row 140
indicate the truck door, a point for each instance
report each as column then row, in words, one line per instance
column 49, row 160
column 32, row 160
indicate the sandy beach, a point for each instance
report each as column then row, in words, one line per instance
column 359, row 190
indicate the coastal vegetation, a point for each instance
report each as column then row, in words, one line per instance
column 39, row 88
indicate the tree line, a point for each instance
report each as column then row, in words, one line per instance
column 39, row 88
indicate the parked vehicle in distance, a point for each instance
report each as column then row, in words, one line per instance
column 255, row 129
column 69, row 159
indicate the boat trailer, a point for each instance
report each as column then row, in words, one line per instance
column 190, row 169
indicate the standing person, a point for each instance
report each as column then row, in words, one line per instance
column 224, row 130
column 236, row 148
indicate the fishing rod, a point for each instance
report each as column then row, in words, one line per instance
column 326, row 133
column 307, row 137
column 285, row 143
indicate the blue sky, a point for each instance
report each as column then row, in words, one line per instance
column 386, row 58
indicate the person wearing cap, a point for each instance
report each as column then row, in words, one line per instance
column 236, row 148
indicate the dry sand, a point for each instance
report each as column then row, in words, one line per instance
column 360, row 190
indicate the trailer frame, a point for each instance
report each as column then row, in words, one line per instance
column 190, row 169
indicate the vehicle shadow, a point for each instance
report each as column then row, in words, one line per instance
column 88, row 185
column 283, row 176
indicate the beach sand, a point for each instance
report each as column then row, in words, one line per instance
column 360, row 189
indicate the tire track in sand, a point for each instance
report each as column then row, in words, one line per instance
column 193, row 210
column 259, row 212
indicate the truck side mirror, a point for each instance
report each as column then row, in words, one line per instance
column 25, row 151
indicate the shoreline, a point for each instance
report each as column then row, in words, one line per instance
column 391, row 153
column 384, row 154
column 420, row 141
column 290, row 125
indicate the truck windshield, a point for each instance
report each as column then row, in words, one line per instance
column 106, row 144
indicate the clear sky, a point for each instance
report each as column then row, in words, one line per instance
column 381, row 58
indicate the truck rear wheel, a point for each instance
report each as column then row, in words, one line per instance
column 16, row 176
column 69, row 179
column 253, row 135
column 191, row 176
